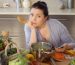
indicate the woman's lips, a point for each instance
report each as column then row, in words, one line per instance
column 33, row 23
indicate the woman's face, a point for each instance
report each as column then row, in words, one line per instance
column 37, row 17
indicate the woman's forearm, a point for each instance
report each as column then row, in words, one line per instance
column 33, row 37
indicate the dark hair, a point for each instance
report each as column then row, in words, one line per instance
column 41, row 5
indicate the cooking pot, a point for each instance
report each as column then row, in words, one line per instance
column 45, row 46
column 40, row 49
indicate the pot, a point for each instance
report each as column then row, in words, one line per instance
column 41, row 49
column 45, row 46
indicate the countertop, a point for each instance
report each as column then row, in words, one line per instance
column 61, row 11
column 23, row 11
column 14, row 11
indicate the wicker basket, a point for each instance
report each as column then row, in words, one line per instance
column 5, row 58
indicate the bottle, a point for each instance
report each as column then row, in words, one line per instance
column 26, row 4
column 70, row 4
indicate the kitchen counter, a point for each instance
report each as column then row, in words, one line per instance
column 14, row 11
column 22, row 11
column 61, row 11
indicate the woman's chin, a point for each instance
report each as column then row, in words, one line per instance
column 35, row 26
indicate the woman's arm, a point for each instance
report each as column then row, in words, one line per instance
column 30, row 35
column 33, row 37
column 66, row 38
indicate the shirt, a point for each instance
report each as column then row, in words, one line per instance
column 58, row 34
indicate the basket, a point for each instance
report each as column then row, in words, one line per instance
column 5, row 58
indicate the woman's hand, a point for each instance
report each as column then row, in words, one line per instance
column 67, row 46
column 64, row 47
column 30, row 25
column 60, row 49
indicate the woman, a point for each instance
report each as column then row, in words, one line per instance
column 42, row 28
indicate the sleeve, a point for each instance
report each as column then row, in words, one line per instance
column 27, row 36
column 65, row 36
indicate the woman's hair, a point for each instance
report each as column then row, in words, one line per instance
column 41, row 5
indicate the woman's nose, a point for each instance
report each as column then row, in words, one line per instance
column 34, row 18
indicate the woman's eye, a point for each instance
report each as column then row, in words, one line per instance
column 39, row 16
column 31, row 14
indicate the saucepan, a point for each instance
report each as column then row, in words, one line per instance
column 41, row 49
column 43, row 46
